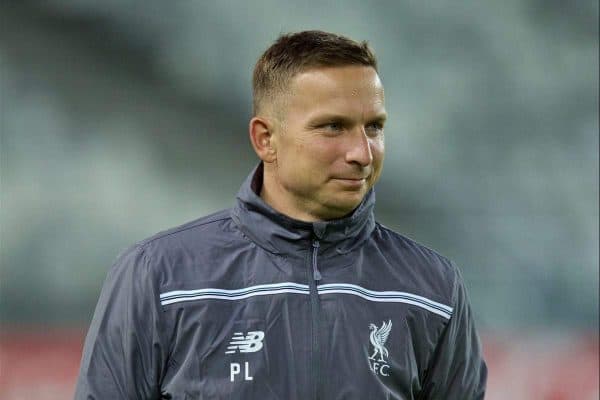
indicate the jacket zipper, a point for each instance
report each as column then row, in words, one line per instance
column 315, row 313
column 315, row 267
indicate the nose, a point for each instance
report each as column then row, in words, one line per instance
column 359, row 149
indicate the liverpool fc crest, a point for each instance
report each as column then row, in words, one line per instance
column 378, row 338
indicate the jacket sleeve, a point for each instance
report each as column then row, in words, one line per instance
column 457, row 370
column 122, row 354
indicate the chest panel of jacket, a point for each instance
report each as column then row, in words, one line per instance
column 255, row 340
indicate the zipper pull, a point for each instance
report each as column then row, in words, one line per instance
column 316, row 273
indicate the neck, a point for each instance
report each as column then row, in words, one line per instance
column 269, row 226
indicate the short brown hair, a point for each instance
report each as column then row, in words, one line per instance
column 293, row 53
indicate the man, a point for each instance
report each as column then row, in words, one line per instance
column 296, row 292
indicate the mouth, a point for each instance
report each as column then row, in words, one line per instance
column 353, row 183
column 352, row 179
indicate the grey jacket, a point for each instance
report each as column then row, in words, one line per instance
column 250, row 304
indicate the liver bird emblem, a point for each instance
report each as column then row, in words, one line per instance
column 378, row 338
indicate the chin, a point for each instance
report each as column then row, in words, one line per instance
column 344, row 205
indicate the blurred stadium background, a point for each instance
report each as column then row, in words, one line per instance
column 122, row 118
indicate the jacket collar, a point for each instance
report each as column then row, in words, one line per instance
column 280, row 234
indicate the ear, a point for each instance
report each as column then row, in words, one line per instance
column 262, row 139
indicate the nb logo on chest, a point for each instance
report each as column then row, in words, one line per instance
column 249, row 343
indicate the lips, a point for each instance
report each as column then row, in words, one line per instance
column 352, row 183
column 353, row 179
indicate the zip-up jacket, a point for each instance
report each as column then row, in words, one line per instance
column 250, row 304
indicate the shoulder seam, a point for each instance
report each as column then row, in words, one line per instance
column 446, row 259
column 150, row 240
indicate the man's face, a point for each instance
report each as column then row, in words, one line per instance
column 329, row 146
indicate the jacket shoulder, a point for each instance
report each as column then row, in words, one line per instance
column 426, row 267
column 187, row 229
column 410, row 244
column 189, row 234
column 184, row 247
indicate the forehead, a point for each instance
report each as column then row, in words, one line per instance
column 345, row 89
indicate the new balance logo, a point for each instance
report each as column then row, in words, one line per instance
column 250, row 343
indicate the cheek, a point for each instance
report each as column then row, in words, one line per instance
column 304, row 160
column 378, row 150
column 320, row 152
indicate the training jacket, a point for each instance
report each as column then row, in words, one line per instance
column 250, row 304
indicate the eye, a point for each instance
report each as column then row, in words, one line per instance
column 331, row 127
column 374, row 128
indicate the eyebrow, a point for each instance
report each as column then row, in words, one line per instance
column 379, row 117
column 382, row 117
